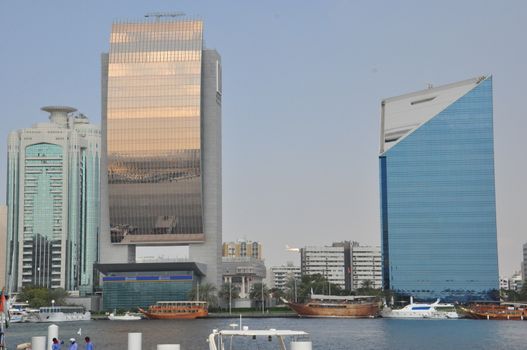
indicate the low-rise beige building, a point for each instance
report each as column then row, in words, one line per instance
column 242, row 248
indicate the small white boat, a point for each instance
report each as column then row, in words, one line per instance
column 126, row 317
column 223, row 339
column 436, row 310
column 17, row 316
column 18, row 312
column 63, row 314
column 32, row 315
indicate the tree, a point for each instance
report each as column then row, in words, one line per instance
column 259, row 292
column 366, row 284
column 509, row 295
column 291, row 289
column 318, row 284
column 366, row 288
column 277, row 294
column 228, row 291
column 523, row 292
column 207, row 292
column 39, row 296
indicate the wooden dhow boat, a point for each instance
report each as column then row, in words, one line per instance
column 172, row 310
column 349, row 306
column 495, row 311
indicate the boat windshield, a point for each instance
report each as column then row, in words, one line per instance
column 421, row 308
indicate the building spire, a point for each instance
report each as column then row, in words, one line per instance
column 59, row 114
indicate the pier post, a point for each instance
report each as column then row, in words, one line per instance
column 53, row 332
column 38, row 343
column 301, row 345
column 168, row 347
column 135, row 341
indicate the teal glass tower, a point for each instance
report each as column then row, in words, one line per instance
column 438, row 208
column 53, row 200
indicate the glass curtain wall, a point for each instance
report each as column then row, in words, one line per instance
column 438, row 205
column 154, row 128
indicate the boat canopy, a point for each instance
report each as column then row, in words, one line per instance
column 263, row 333
column 342, row 297
column 179, row 303
column 64, row 309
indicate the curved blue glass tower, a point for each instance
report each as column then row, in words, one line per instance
column 438, row 207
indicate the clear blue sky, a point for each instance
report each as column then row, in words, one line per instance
column 303, row 82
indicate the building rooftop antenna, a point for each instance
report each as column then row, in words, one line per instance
column 159, row 15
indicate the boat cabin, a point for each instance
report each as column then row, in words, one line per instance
column 220, row 339
column 63, row 309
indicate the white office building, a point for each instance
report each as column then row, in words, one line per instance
column 366, row 266
column 325, row 261
column 280, row 275
column 524, row 264
column 516, row 281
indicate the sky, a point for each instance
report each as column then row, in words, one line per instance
column 302, row 85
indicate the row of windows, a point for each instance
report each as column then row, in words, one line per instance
column 438, row 198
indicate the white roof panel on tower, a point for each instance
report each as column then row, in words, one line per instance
column 403, row 114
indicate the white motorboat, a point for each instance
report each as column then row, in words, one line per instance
column 126, row 317
column 436, row 310
column 32, row 315
column 18, row 312
column 224, row 339
column 17, row 316
column 63, row 314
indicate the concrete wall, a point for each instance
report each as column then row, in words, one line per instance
column 210, row 251
column 108, row 253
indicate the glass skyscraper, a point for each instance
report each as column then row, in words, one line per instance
column 162, row 138
column 438, row 208
column 53, row 203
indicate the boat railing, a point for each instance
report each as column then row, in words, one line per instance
column 63, row 309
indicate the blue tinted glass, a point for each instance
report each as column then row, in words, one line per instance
column 438, row 204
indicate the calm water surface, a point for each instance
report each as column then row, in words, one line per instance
column 335, row 334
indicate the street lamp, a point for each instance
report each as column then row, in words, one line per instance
column 52, row 304
column 294, row 281
column 230, row 295
column 295, row 250
column 327, row 277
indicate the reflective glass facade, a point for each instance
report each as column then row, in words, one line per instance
column 153, row 126
column 438, row 210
